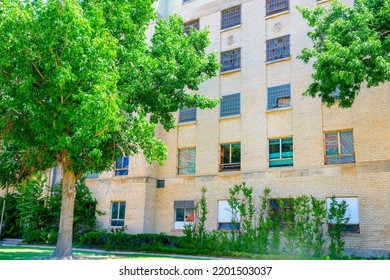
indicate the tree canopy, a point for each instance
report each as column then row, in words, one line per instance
column 351, row 47
column 81, row 85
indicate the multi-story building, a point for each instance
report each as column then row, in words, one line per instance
column 263, row 132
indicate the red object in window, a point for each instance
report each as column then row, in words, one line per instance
column 190, row 218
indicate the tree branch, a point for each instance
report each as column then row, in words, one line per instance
column 100, row 132
column 39, row 72
column 54, row 56
column 4, row 72
column 65, row 43
column 384, row 33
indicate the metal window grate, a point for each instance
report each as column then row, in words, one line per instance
column 191, row 24
column 231, row 60
column 279, row 96
column 278, row 48
column 230, row 105
column 160, row 184
column 187, row 114
column 231, row 17
column 276, row 6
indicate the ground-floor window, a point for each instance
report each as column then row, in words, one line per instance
column 184, row 213
column 118, row 210
column 352, row 213
column 227, row 217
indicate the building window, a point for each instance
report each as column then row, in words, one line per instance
column 187, row 115
column 279, row 96
column 339, row 147
column 230, row 60
column 352, row 213
column 92, row 174
column 122, row 166
column 118, row 209
column 230, row 157
column 282, row 211
column 278, row 48
column 191, row 24
column 184, row 213
column 160, row 184
column 231, row 17
column 186, row 162
column 230, row 105
column 276, row 6
column 281, row 152
column 227, row 218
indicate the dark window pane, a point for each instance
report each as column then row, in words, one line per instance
column 122, row 210
column 160, row 184
column 229, row 226
column 179, row 215
column 117, row 223
column 236, row 153
column 115, row 210
column 225, row 153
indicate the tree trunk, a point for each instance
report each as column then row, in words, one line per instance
column 3, row 208
column 65, row 232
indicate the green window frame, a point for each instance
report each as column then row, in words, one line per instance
column 281, row 152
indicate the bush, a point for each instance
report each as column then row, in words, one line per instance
column 11, row 219
column 40, row 207
column 94, row 239
column 130, row 242
column 35, row 237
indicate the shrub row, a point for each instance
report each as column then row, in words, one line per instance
column 130, row 242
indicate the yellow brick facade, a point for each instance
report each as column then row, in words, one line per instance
column 151, row 209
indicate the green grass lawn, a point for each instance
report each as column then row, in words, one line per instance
column 31, row 253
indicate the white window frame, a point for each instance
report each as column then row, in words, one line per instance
column 118, row 219
column 352, row 211
column 226, row 215
column 179, row 225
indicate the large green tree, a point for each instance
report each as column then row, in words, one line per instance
column 80, row 85
column 351, row 47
